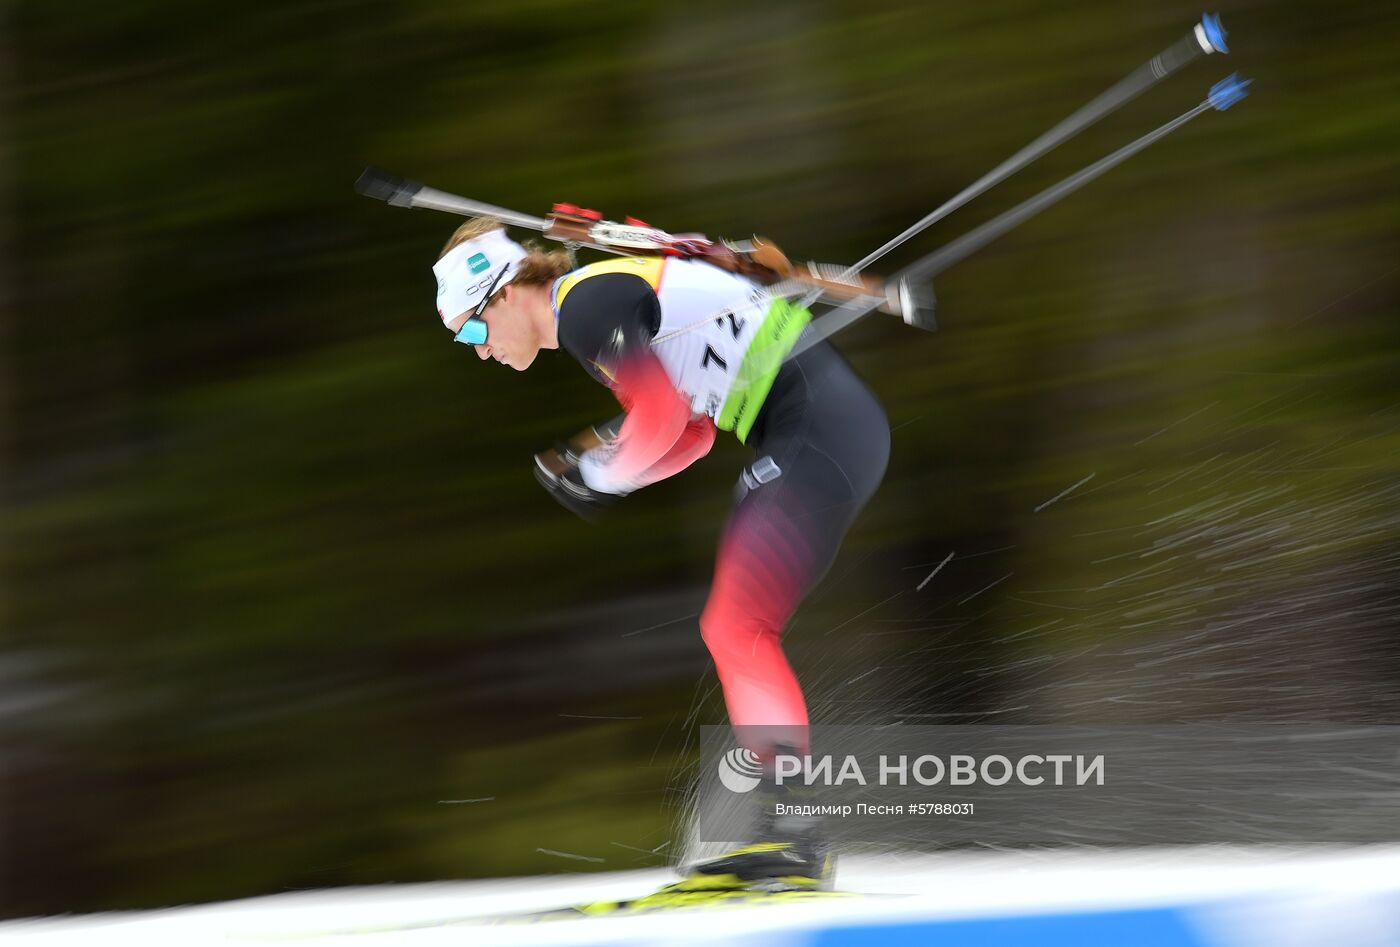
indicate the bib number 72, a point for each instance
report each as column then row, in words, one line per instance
column 736, row 325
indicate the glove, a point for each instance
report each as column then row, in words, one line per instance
column 557, row 471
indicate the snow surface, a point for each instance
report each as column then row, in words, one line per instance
column 1220, row 897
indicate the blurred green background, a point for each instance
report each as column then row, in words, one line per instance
column 279, row 595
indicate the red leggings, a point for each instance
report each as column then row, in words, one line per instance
column 823, row 444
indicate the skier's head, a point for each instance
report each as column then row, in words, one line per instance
column 494, row 294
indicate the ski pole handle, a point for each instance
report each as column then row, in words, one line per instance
column 561, row 458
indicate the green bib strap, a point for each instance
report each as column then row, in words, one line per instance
column 775, row 338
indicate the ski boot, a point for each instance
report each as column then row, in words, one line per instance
column 791, row 853
column 788, row 865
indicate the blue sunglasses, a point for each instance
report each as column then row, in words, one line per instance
column 473, row 331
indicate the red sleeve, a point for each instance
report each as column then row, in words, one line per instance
column 607, row 322
column 695, row 442
column 657, row 416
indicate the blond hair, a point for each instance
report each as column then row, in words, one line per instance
column 539, row 268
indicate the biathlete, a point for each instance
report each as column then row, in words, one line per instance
column 689, row 348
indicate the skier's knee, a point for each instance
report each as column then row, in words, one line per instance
column 716, row 624
column 721, row 625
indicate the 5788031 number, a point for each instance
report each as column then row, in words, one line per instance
column 941, row 808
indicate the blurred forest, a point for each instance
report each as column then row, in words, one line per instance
column 281, row 606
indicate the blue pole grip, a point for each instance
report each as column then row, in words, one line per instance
column 1215, row 33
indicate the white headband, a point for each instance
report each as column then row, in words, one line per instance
column 470, row 268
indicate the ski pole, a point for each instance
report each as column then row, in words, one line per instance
column 1223, row 94
column 1206, row 37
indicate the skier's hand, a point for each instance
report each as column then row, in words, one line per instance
column 557, row 471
